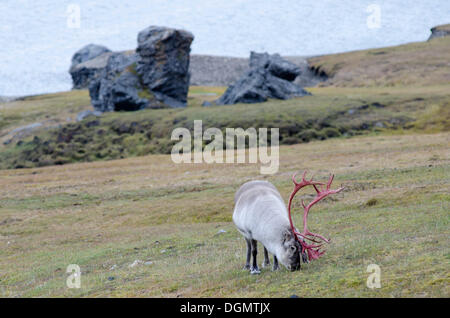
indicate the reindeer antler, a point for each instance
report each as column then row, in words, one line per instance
column 313, row 251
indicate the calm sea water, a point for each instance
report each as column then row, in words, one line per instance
column 38, row 38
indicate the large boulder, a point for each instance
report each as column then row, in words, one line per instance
column 270, row 76
column 87, row 53
column 275, row 65
column 85, row 72
column 154, row 76
column 118, row 88
column 87, row 64
column 164, row 61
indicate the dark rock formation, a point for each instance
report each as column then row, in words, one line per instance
column 440, row 31
column 207, row 70
column 154, row 76
column 275, row 65
column 87, row 53
column 87, row 64
column 164, row 62
column 269, row 76
column 83, row 73
column 118, row 87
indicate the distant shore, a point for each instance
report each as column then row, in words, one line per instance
column 211, row 70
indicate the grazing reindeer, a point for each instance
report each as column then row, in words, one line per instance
column 260, row 215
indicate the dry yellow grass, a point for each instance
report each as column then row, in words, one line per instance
column 421, row 63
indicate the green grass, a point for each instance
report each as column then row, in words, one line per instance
column 105, row 215
column 49, row 109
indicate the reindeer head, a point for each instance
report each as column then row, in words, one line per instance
column 313, row 250
column 289, row 255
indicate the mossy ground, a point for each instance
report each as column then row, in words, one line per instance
column 330, row 113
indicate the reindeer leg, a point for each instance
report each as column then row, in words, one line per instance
column 249, row 254
column 275, row 266
column 254, row 269
column 266, row 258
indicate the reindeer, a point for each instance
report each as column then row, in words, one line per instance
column 260, row 215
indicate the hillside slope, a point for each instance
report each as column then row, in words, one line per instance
column 387, row 90
column 413, row 64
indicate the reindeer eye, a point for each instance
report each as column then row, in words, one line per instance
column 293, row 248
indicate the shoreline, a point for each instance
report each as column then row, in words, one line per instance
column 207, row 70
column 228, row 69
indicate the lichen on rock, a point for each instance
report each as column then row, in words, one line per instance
column 270, row 76
column 156, row 75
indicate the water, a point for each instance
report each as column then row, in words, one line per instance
column 38, row 38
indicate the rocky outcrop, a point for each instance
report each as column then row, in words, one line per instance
column 163, row 66
column 270, row 76
column 87, row 53
column 204, row 70
column 440, row 31
column 117, row 88
column 207, row 70
column 154, row 76
column 87, row 64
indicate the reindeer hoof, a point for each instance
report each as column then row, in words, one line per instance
column 246, row 267
column 265, row 264
column 275, row 268
column 255, row 271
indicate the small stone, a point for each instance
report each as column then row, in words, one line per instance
column 148, row 263
column 86, row 113
column 113, row 267
column 110, row 278
column 135, row 263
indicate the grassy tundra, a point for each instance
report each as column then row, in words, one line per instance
column 105, row 215
column 386, row 141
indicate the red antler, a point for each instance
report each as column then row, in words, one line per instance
column 313, row 251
